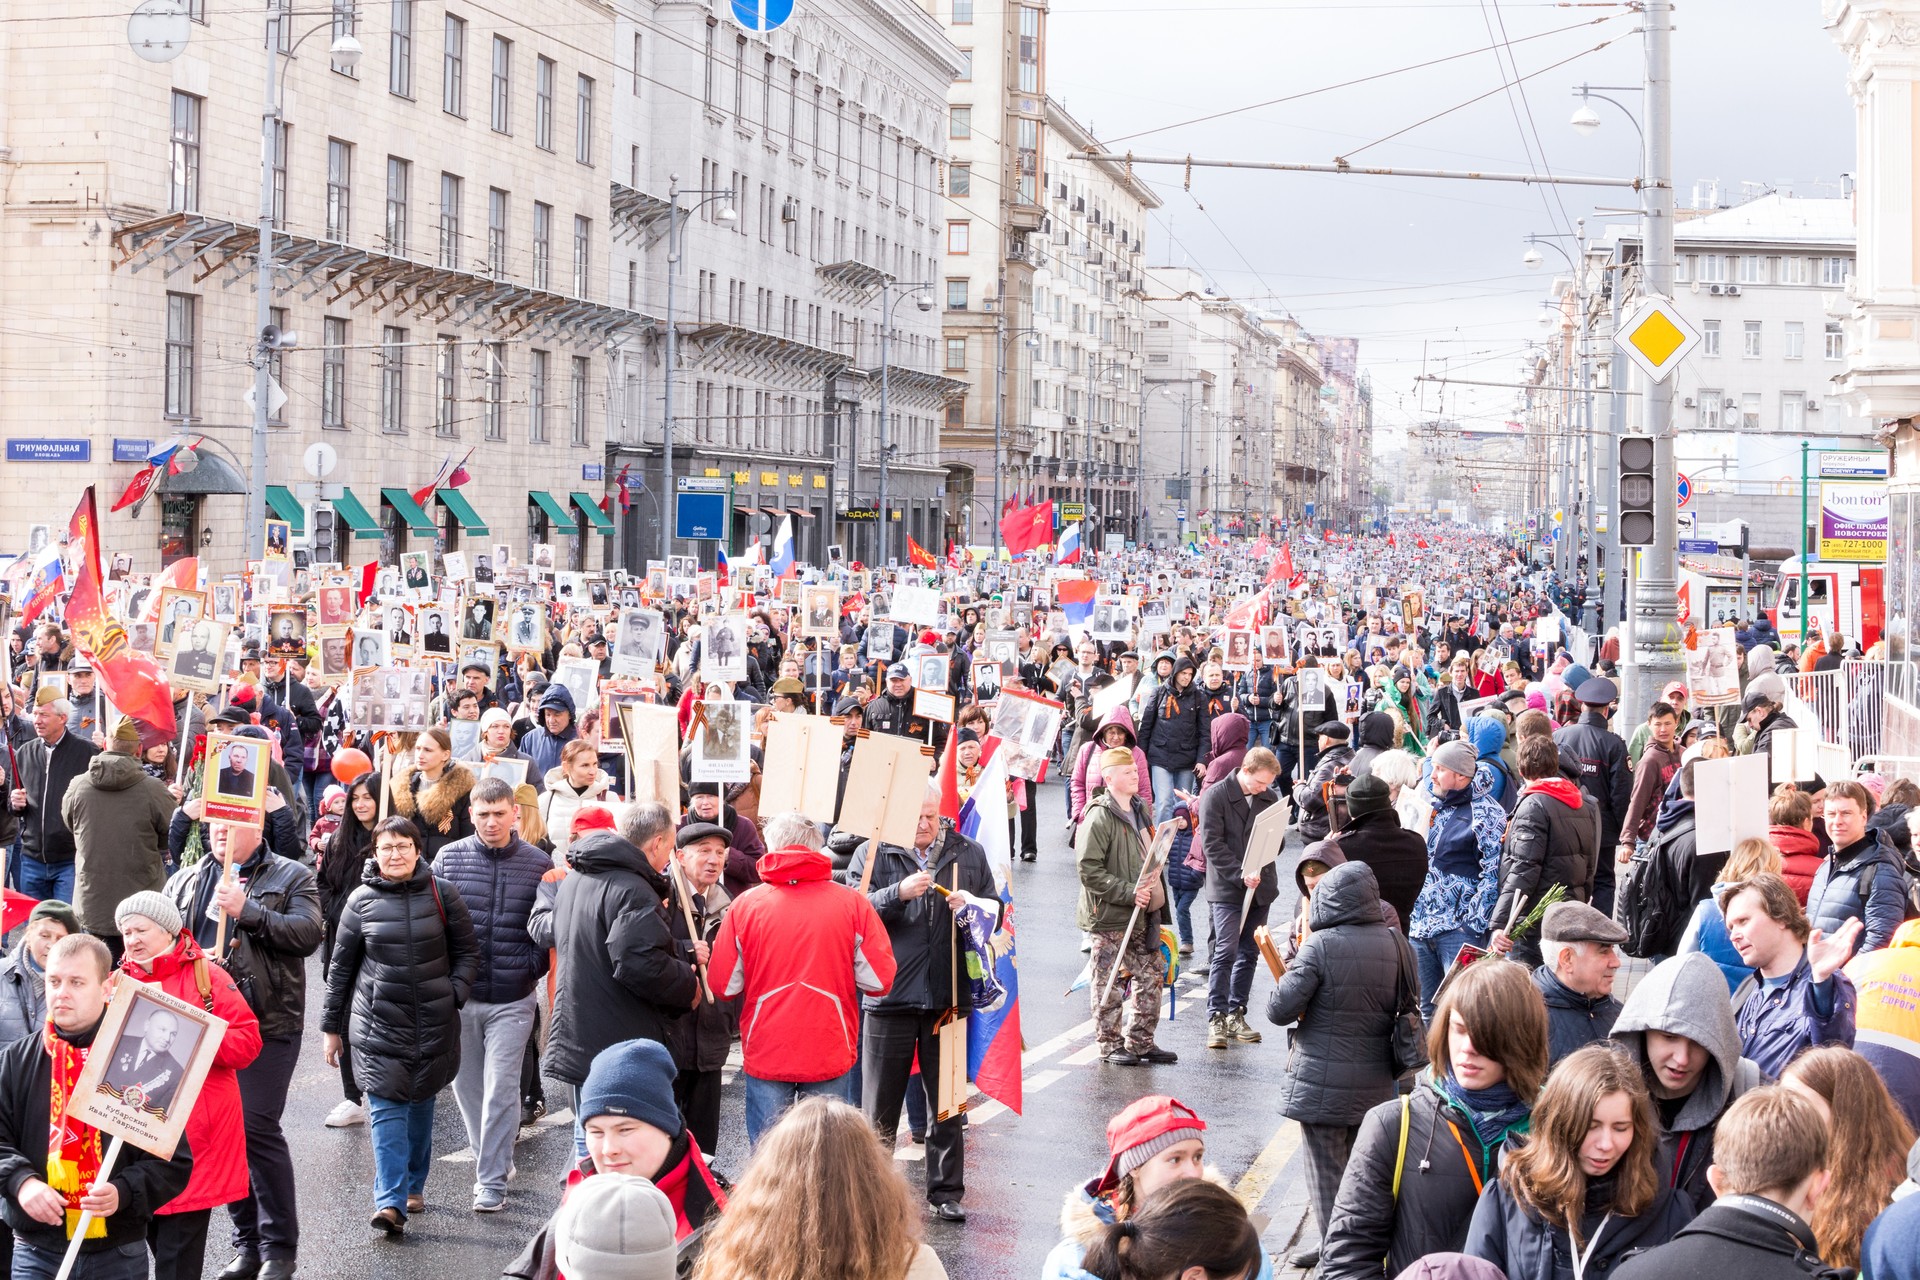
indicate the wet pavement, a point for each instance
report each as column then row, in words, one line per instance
column 1019, row 1168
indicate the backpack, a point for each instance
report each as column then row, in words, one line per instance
column 1647, row 903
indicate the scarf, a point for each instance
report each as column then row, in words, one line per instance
column 73, row 1148
column 1493, row 1110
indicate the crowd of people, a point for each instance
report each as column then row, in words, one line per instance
column 560, row 872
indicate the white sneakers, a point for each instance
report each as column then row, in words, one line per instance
column 346, row 1115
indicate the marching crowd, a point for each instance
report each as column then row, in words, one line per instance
column 507, row 896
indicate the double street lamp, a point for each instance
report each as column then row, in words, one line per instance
column 924, row 301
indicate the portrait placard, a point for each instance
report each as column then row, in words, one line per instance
column 802, row 770
column 178, row 608
column 149, row 1059
column 651, row 736
column 235, row 789
column 722, row 741
column 195, row 667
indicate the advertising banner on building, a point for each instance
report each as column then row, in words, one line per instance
column 1853, row 521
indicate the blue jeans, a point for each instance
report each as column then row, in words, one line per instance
column 1260, row 734
column 1163, row 797
column 43, row 880
column 402, row 1149
column 1230, row 975
column 1435, row 956
column 1183, row 913
column 768, row 1100
column 127, row 1262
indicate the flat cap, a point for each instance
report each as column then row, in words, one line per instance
column 1578, row 922
column 1335, row 729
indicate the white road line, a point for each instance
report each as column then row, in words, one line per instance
column 552, row 1120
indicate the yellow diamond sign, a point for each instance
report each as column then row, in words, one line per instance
column 1655, row 336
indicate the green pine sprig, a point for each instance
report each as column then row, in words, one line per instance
column 1532, row 919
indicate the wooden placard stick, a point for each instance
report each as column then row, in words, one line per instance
column 226, row 878
column 684, row 893
column 86, row 1218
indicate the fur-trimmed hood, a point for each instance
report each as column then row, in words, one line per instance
column 432, row 806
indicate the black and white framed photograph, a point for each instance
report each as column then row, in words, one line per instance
column 930, row 671
column 986, row 680
column 502, row 558
column 195, row 667
column 335, row 659
column 483, row 567
column 723, row 649
column 370, row 649
column 722, row 739
column 436, row 630
column 566, row 588
column 487, row 655
column 397, row 621
column 149, row 1060
column 581, row 678
column 526, row 628
column 639, row 642
column 476, row 618
column 543, row 559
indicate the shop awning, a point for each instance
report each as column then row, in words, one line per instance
column 555, row 511
column 283, row 504
column 417, row 520
column 212, row 474
column 595, row 516
column 802, row 512
column 354, row 512
column 470, row 521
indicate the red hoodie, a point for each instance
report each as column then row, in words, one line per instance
column 1559, row 788
column 1799, row 857
column 798, row 950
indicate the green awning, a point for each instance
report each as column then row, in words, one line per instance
column 470, row 521
column 354, row 512
column 556, row 512
column 417, row 520
column 288, row 508
column 595, row 516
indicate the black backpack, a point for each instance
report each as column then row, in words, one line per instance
column 1647, row 903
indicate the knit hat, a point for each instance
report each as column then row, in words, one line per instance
column 126, row 738
column 54, row 909
column 1143, row 1131
column 155, row 906
column 1456, row 756
column 1116, row 757
column 614, row 1226
column 492, row 716
column 592, row 817
column 633, row 1078
column 1368, row 794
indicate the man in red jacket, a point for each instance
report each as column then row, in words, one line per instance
column 798, row 951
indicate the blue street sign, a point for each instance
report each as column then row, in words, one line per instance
column 1699, row 546
column 703, row 508
column 593, row 471
column 761, row 15
column 125, row 450
column 1309, row 510
column 48, row 450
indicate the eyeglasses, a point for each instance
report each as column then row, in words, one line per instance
column 398, row 846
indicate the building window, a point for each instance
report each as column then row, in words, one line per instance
column 501, row 102
column 1793, row 411
column 544, row 73
column 1709, row 337
column 706, row 83
column 1713, row 268
column 966, row 65
column 344, row 25
column 542, row 246
column 1793, row 271
column 446, row 386
column 1836, row 340
column 450, row 190
column 400, row 50
column 956, row 295
column 333, row 373
column 497, row 205
column 583, row 120
column 184, row 155
column 960, row 180
column 956, row 353
column 1709, row 419
column 1749, row 411
column 959, row 237
column 636, row 63
column 282, row 146
column 537, row 397
column 1027, row 161
column 962, row 12
column 1833, row 271
column 739, row 78
column 960, row 122
column 393, row 379
column 1029, row 49
column 582, row 371
column 1750, row 340
column 183, row 323
column 493, row 388
column 399, row 177
column 1795, row 340
column 453, row 71
column 582, row 253
column 1753, row 269
column 339, row 190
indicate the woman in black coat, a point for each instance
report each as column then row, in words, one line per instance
column 404, row 960
column 341, row 868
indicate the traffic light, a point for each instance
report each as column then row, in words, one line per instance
column 320, row 522
column 1636, row 491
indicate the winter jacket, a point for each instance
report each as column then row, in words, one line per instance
column 1763, row 736
column 1310, row 797
column 543, row 748
column 701, row 1040
column 1085, row 779
column 1800, row 858
column 925, row 939
column 144, row 1182
column 269, row 941
column 1657, row 766
column 45, row 775
column 1463, row 864
column 1740, row 1236
column 23, row 995
column 499, row 887
column 1228, row 737
column 1289, row 715
column 561, row 800
column 1707, row 933
column 118, row 817
column 1083, row 1215
column 1507, row 1234
column 1686, row 996
column 1865, row 880
column 1375, row 735
column 621, row 973
column 1259, row 693
column 1574, row 1021
column 1344, row 988
column 1398, row 857
column 1175, row 730
column 1438, row 1187
column 1892, row 819
column 216, row 1128
column 1109, row 853
column 1675, row 879
column 1604, row 776
column 1886, row 1018
column 796, row 954
column 1446, row 705
column 1892, row 1243
column 404, row 961
column 440, row 809
column 684, row 1178
column 281, row 835
column 1552, row 839
column 1490, row 773
column 1778, row 1020
column 1226, row 817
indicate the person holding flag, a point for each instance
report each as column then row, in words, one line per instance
column 1123, row 902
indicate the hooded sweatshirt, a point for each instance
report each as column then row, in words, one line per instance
column 1375, row 736
column 1175, row 730
column 1489, row 737
column 1085, row 781
column 1687, row 996
column 1229, row 737
column 541, row 747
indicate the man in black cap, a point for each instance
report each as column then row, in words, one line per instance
column 892, row 711
column 1373, row 835
column 1580, row 954
column 1329, row 771
column 701, row 1040
column 1605, row 778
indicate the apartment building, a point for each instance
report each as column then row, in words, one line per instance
column 1347, row 395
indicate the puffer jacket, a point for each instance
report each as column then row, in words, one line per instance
column 216, row 1128
column 561, row 800
column 1507, row 1234
column 1343, row 988
column 1574, row 1021
column 1604, row 775
column 1375, row 735
column 269, row 941
column 1258, row 692
column 542, row 748
column 1109, row 854
column 621, row 972
column 1398, row 857
column 119, row 818
column 1085, row 779
column 23, row 995
column 1865, row 880
column 404, row 962
column 1800, row 858
column 499, row 887
column 1552, row 839
column 1175, row 730
column 1438, row 1186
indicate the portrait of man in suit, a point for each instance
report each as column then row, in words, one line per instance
column 145, row 1073
column 236, row 772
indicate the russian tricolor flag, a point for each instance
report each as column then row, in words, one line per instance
column 993, row 1036
column 44, row 585
column 1075, row 598
column 1067, row 550
column 782, row 563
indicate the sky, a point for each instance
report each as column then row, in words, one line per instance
column 1427, row 273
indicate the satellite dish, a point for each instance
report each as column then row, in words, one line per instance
column 158, row 30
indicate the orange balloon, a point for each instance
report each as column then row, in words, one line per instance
column 350, row 763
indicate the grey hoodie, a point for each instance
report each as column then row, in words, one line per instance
column 1687, row 996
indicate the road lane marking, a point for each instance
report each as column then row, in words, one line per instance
column 1260, row 1175
column 552, row 1120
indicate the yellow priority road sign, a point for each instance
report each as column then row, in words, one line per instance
column 1655, row 336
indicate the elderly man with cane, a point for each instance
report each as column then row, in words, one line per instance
column 1123, row 899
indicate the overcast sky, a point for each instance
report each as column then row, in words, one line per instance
column 1417, row 267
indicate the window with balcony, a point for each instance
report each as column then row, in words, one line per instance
column 453, row 68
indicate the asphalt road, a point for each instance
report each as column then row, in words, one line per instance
column 1019, row 1167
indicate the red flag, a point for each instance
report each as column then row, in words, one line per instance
column 130, row 677
column 18, row 907
column 368, row 573
column 1013, row 530
column 1391, row 542
column 919, row 556
column 136, row 489
column 1282, row 570
column 1420, row 543
column 1040, row 529
column 460, row 475
column 950, row 781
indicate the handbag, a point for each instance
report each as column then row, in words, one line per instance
column 1407, row 1046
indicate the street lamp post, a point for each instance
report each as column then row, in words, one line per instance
column 672, row 353
column 887, row 304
